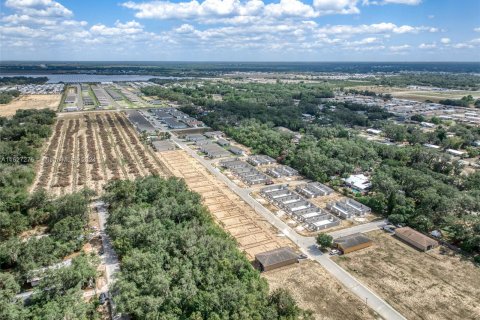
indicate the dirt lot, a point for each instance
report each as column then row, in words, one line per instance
column 89, row 149
column 419, row 285
column 253, row 234
column 315, row 289
column 33, row 101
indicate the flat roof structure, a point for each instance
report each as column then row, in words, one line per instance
column 114, row 94
column 213, row 134
column 214, row 151
column 416, row 239
column 223, row 142
column 163, row 145
column 313, row 190
column 195, row 137
column 234, row 164
column 276, row 258
column 347, row 208
column 139, row 121
column 235, row 150
column 352, row 242
column 281, row 171
column 174, row 124
column 358, row 182
column 259, row 160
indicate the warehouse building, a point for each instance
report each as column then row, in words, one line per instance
column 348, row 208
column 174, row 124
column 352, row 242
column 313, row 190
column 416, row 239
column 276, row 258
column 114, row 94
column 260, row 160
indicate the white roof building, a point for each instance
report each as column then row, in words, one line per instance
column 359, row 182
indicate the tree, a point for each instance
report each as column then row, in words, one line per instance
column 324, row 240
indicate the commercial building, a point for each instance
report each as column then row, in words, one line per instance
column 260, row 160
column 352, row 242
column 139, row 121
column 348, row 208
column 313, row 190
column 416, row 239
column 276, row 258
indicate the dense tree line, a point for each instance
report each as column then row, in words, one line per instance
column 177, row 263
column 8, row 96
column 59, row 224
column 440, row 80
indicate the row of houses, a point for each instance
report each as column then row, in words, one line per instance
column 101, row 96
column 299, row 208
column 348, row 208
column 260, row 160
column 213, row 151
column 281, row 171
column 245, row 172
column 313, row 190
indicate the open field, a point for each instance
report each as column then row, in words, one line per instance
column 315, row 289
column 89, row 149
column 420, row 95
column 253, row 234
column 419, row 285
column 33, row 101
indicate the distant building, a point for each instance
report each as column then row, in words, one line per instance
column 416, row 239
column 163, row 145
column 358, row 182
column 236, row 150
column 195, row 137
column 374, row 131
column 352, row 242
column 223, row 142
column 276, row 258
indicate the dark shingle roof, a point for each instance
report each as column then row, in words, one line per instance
column 276, row 256
column 352, row 240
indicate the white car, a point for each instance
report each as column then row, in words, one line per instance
column 335, row 252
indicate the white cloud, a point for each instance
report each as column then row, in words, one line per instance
column 383, row 2
column 39, row 8
column 399, row 48
column 427, row 46
column 477, row 29
column 376, row 28
column 336, row 6
column 128, row 28
column 445, row 40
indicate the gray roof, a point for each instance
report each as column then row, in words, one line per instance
column 352, row 240
column 273, row 257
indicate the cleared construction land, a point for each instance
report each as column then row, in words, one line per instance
column 253, row 234
column 90, row 149
column 419, row 285
column 32, row 101
column 315, row 289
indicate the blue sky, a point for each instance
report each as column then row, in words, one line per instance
column 241, row 30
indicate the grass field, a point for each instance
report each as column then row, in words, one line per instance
column 315, row 289
column 32, row 101
column 419, row 285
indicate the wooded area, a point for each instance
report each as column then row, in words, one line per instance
column 178, row 264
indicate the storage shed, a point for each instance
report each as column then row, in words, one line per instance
column 416, row 239
column 352, row 242
column 277, row 258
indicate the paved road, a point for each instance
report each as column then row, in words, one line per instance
column 306, row 244
column 109, row 257
column 366, row 227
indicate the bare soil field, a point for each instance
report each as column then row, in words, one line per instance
column 419, row 285
column 253, row 234
column 315, row 289
column 90, row 149
column 33, row 101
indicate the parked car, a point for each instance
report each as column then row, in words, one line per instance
column 335, row 252
column 302, row 256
